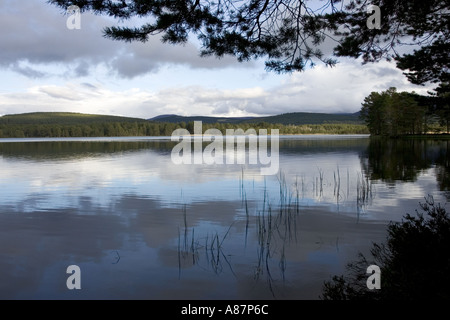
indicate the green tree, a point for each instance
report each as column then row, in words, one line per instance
column 406, row 116
column 393, row 113
column 373, row 112
column 444, row 115
column 442, row 98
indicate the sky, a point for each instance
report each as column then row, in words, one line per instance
column 45, row 66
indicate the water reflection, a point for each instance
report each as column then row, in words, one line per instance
column 59, row 149
column 393, row 160
column 141, row 227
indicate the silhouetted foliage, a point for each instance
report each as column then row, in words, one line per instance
column 414, row 261
column 286, row 32
column 441, row 104
column 289, row 34
column 422, row 25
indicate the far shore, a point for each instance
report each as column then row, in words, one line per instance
column 444, row 136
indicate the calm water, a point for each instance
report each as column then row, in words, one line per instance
column 141, row 227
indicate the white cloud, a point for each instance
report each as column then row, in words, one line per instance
column 145, row 80
column 341, row 89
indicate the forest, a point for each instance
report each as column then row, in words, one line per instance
column 43, row 124
column 393, row 114
column 388, row 113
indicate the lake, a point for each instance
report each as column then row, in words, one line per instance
column 139, row 226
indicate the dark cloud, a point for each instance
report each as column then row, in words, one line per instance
column 82, row 69
column 27, row 71
column 36, row 33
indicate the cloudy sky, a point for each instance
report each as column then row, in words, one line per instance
column 45, row 66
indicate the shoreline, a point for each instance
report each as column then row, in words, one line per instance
column 118, row 138
column 142, row 138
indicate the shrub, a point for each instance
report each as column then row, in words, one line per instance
column 414, row 261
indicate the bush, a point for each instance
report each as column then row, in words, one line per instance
column 414, row 262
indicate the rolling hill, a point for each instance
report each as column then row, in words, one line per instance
column 62, row 118
column 173, row 118
column 295, row 118
column 71, row 118
column 69, row 124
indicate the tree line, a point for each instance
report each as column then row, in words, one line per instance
column 150, row 128
column 392, row 113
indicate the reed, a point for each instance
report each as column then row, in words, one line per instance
column 363, row 192
column 337, row 186
column 189, row 245
column 276, row 228
column 320, row 182
column 273, row 222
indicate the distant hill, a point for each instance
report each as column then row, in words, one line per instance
column 71, row 118
column 173, row 118
column 294, row 118
column 299, row 118
column 62, row 118
column 68, row 124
